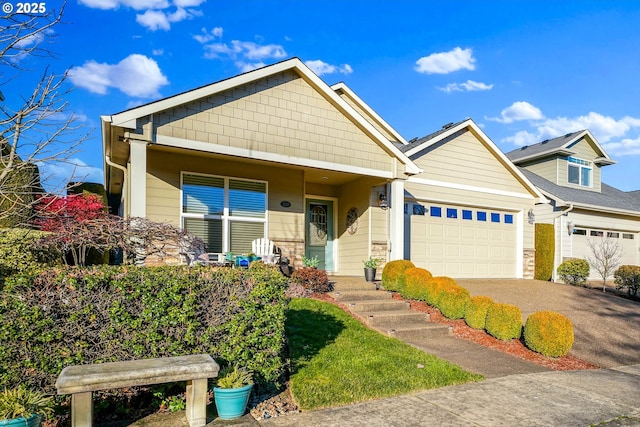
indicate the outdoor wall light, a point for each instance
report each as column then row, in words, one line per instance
column 570, row 227
column 382, row 201
column 531, row 216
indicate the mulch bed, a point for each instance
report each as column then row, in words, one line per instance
column 514, row 347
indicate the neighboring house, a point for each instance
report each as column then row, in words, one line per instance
column 277, row 153
column 567, row 170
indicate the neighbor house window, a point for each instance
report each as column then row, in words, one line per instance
column 580, row 171
column 227, row 213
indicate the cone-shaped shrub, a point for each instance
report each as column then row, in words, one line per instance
column 393, row 278
column 416, row 283
column 453, row 301
column 548, row 333
column 504, row 321
column 475, row 313
column 435, row 287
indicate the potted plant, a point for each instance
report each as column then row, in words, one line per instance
column 231, row 395
column 21, row 407
column 370, row 266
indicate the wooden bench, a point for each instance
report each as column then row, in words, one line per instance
column 82, row 380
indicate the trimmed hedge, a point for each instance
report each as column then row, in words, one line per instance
column 77, row 316
column 436, row 286
column 475, row 314
column 545, row 251
column 312, row 279
column 452, row 302
column 504, row 321
column 393, row 278
column 18, row 254
column 574, row 271
column 416, row 283
column 548, row 333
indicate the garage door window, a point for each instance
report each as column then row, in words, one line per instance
column 596, row 233
column 452, row 213
column 508, row 219
column 467, row 214
column 495, row 217
column 580, row 231
column 481, row 216
column 435, row 211
column 627, row 236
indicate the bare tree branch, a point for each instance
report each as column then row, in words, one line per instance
column 606, row 256
column 36, row 128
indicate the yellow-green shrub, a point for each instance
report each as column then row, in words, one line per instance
column 393, row 278
column 475, row 313
column 416, row 283
column 437, row 285
column 545, row 251
column 548, row 333
column 452, row 302
column 504, row 321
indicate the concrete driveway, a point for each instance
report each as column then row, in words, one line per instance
column 606, row 327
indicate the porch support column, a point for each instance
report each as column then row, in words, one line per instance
column 138, row 181
column 396, row 220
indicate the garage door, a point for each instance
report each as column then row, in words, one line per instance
column 627, row 241
column 461, row 242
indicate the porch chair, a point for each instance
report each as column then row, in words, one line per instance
column 267, row 250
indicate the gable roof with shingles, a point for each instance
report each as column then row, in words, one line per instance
column 610, row 198
column 559, row 146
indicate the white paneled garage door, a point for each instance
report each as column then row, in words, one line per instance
column 627, row 241
column 461, row 242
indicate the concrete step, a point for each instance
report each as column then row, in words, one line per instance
column 377, row 318
column 359, row 295
column 377, row 305
column 415, row 331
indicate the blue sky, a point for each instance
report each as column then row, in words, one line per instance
column 524, row 71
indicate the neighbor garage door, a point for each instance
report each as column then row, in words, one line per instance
column 461, row 242
column 628, row 243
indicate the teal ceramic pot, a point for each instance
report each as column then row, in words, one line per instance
column 231, row 403
column 33, row 421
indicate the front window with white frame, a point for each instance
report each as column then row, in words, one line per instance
column 580, row 172
column 227, row 213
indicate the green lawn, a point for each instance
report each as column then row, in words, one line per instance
column 335, row 360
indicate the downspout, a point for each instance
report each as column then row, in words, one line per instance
column 108, row 161
column 564, row 212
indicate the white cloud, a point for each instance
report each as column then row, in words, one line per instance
column 136, row 75
column 320, row 67
column 446, row 62
column 208, row 36
column 188, row 3
column 518, row 111
column 468, row 86
column 249, row 66
column 626, row 147
column 56, row 175
column 134, row 4
column 158, row 20
column 603, row 128
column 158, row 52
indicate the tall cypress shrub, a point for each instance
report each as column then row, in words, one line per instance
column 545, row 251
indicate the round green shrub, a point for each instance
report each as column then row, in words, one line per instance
column 504, row 321
column 574, row 271
column 416, row 283
column 393, row 278
column 435, row 287
column 475, row 314
column 452, row 302
column 548, row 333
